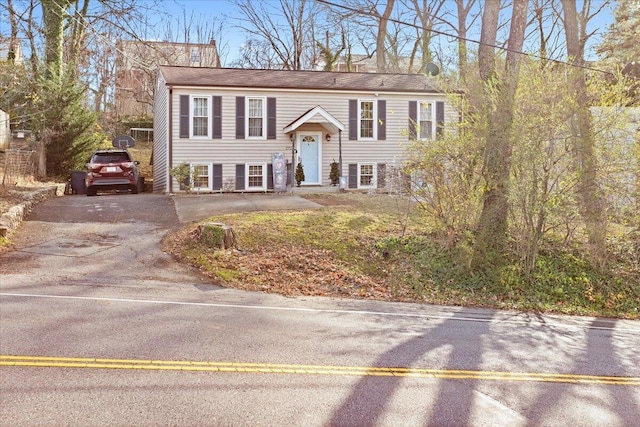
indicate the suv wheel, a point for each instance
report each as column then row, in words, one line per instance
column 91, row 191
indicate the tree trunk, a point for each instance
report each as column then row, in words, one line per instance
column 41, row 152
column 13, row 39
column 382, row 35
column 592, row 206
column 216, row 235
column 491, row 243
column 463, row 12
column 77, row 38
column 53, row 13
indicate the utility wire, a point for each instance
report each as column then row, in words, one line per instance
column 442, row 33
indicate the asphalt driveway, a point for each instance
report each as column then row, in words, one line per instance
column 117, row 238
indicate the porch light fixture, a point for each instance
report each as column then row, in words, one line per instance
column 328, row 137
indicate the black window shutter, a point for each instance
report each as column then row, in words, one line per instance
column 217, row 117
column 217, row 176
column 353, row 119
column 269, row 176
column 413, row 118
column 439, row 119
column 382, row 119
column 184, row 116
column 271, row 118
column 353, row 175
column 239, row 117
column 240, row 177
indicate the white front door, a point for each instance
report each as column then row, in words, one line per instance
column 309, row 153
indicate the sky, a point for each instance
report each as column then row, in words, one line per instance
column 233, row 39
column 225, row 14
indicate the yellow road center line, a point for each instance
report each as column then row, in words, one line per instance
column 271, row 368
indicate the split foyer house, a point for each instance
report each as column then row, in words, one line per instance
column 233, row 126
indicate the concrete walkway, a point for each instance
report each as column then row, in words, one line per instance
column 196, row 207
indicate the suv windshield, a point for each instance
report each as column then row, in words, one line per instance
column 104, row 158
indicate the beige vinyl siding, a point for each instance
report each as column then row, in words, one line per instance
column 290, row 105
column 161, row 136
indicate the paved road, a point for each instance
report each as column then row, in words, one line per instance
column 99, row 327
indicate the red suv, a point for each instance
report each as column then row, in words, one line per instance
column 112, row 169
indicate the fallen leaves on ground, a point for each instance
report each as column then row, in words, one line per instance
column 288, row 270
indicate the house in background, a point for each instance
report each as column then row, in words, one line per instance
column 136, row 65
column 228, row 123
column 368, row 64
column 5, row 131
column 11, row 53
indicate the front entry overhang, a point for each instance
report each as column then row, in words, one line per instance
column 316, row 115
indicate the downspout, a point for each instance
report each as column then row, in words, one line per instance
column 293, row 158
column 340, row 152
column 170, row 141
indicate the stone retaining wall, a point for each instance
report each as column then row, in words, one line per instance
column 10, row 220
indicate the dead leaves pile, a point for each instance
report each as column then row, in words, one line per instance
column 298, row 271
column 285, row 270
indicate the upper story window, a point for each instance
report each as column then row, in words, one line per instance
column 256, row 112
column 426, row 120
column 367, row 119
column 195, row 55
column 200, row 116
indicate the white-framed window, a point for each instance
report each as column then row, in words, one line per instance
column 367, row 117
column 426, row 122
column 201, row 176
column 256, row 176
column 195, row 55
column 367, row 175
column 200, row 124
column 256, row 113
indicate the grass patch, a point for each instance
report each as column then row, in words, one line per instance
column 379, row 247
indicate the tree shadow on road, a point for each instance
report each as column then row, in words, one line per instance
column 454, row 401
column 599, row 353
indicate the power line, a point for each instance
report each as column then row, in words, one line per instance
column 466, row 39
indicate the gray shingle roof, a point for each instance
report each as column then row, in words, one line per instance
column 324, row 80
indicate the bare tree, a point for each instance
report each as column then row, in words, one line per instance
column 257, row 54
column 427, row 12
column 546, row 25
column 383, row 20
column 288, row 29
column 329, row 56
column 460, row 23
column 13, row 38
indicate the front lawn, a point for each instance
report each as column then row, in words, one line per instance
column 381, row 247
